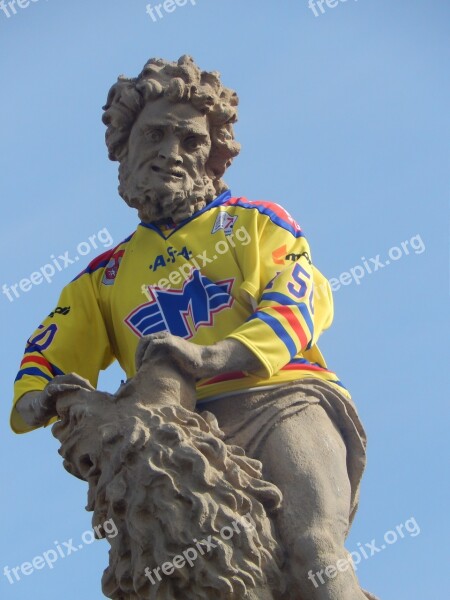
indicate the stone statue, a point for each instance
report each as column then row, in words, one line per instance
column 231, row 458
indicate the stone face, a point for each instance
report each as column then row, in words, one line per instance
column 171, row 129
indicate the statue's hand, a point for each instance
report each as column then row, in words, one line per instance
column 200, row 361
column 36, row 408
column 187, row 356
column 61, row 385
column 69, row 382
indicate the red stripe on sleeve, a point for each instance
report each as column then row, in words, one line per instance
column 40, row 360
column 289, row 315
column 294, row 367
column 225, row 377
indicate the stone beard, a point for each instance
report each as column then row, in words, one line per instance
column 164, row 172
column 171, row 205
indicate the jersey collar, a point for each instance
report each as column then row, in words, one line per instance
column 168, row 232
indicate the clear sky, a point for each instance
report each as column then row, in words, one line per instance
column 343, row 121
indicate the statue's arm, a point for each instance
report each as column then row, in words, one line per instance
column 225, row 356
column 230, row 355
column 33, row 409
column 291, row 300
column 38, row 407
column 73, row 338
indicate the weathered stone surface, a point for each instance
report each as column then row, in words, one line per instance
column 168, row 481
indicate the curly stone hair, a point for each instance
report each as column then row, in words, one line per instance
column 182, row 81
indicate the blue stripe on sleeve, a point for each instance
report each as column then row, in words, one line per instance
column 281, row 332
column 307, row 316
column 32, row 371
column 55, row 370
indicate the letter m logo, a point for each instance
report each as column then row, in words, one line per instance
column 181, row 312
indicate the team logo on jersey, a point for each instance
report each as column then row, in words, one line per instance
column 111, row 269
column 60, row 310
column 171, row 256
column 224, row 221
column 280, row 256
column 182, row 312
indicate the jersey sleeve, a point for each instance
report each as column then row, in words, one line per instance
column 292, row 299
column 72, row 339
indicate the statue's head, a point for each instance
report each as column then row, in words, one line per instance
column 171, row 129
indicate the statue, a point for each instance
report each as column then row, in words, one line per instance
column 231, row 458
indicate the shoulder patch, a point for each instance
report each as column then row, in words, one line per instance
column 224, row 221
column 112, row 267
column 109, row 259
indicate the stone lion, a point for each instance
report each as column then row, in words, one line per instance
column 173, row 488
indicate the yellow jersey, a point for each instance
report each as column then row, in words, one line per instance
column 236, row 269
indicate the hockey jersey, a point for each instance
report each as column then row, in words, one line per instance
column 236, row 269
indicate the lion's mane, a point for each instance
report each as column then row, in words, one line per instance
column 168, row 481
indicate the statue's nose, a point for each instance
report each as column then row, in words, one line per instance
column 170, row 150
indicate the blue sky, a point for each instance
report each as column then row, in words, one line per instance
column 343, row 121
